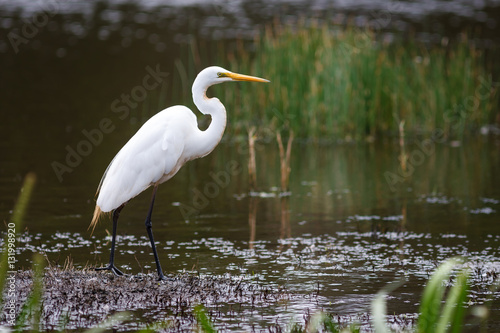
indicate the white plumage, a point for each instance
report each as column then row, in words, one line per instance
column 152, row 156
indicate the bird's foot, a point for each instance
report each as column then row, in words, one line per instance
column 112, row 268
column 165, row 278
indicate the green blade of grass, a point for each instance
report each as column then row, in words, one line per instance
column 321, row 322
column 32, row 305
column 454, row 311
column 159, row 326
column 23, row 199
column 378, row 307
column 14, row 226
column 200, row 314
column 430, row 305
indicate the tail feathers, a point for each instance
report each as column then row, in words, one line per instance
column 95, row 219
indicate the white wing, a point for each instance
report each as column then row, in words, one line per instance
column 154, row 154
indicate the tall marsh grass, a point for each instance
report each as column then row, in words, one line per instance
column 346, row 84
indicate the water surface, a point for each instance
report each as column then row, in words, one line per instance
column 333, row 242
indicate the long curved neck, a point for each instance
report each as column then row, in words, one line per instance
column 210, row 137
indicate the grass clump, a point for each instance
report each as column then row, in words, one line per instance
column 345, row 84
column 441, row 309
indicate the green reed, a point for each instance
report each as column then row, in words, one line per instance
column 434, row 314
column 344, row 83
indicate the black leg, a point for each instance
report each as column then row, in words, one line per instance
column 151, row 239
column 111, row 266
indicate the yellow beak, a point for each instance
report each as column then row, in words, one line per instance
column 241, row 77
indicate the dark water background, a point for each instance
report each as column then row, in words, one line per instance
column 352, row 223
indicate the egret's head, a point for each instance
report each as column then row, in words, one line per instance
column 214, row 75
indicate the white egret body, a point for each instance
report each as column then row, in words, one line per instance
column 159, row 149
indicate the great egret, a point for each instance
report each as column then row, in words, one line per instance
column 159, row 149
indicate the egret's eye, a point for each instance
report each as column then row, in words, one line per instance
column 220, row 74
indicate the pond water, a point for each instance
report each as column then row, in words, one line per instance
column 339, row 236
column 351, row 222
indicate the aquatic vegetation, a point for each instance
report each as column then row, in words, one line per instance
column 433, row 315
column 285, row 160
column 252, row 166
column 347, row 84
column 435, row 318
column 202, row 318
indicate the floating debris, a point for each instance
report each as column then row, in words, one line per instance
column 484, row 210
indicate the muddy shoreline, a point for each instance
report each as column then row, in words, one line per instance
column 78, row 299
